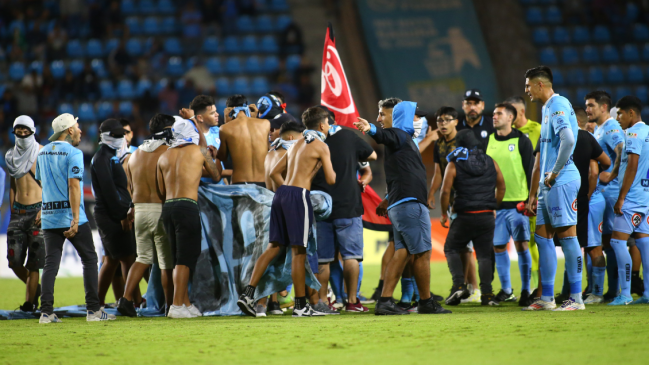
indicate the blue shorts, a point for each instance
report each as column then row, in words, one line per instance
column 344, row 234
column 511, row 223
column 596, row 209
column 411, row 225
column 634, row 218
column 609, row 213
column 291, row 216
column 313, row 262
column 558, row 205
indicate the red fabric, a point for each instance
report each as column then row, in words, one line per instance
column 335, row 92
column 370, row 220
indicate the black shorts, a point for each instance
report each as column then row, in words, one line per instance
column 291, row 216
column 25, row 240
column 182, row 223
column 582, row 222
column 391, row 235
column 117, row 242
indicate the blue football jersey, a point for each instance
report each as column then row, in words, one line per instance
column 637, row 142
column 609, row 135
column 212, row 138
column 557, row 116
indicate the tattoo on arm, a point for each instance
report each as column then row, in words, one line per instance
column 618, row 157
column 211, row 165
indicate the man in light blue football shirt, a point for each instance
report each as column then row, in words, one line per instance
column 560, row 182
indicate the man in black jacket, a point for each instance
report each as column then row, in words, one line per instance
column 407, row 207
column 112, row 201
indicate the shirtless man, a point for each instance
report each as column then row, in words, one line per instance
column 24, row 232
column 150, row 236
column 245, row 139
column 291, row 211
column 178, row 175
column 287, row 135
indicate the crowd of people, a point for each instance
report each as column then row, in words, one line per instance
column 576, row 180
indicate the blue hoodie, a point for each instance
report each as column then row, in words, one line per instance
column 403, row 116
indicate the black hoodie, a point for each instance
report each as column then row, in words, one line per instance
column 475, row 180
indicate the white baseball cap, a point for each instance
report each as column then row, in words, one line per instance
column 61, row 123
column 25, row 121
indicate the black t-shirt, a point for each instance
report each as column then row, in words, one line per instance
column 482, row 130
column 441, row 150
column 346, row 149
column 587, row 149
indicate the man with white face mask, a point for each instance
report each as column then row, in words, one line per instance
column 24, row 235
column 113, row 200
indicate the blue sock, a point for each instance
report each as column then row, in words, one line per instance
column 502, row 265
column 336, row 280
column 288, row 288
column 611, row 271
column 565, row 287
column 599, row 273
column 574, row 266
column 623, row 266
column 407, row 289
column 416, row 291
column 525, row 267
column 643, row 246
column 360, row 277
column 547, row 266
column 589, row 274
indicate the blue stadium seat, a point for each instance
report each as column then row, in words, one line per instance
column 74, row 48
column 58, row 69
column 630, row 53
column 94, row 48
column 169, row 25
column 641, row 32
column 264, row 24
column 569, row 56
column 259, row 86
column 106, row 89
column 601, row 34
column 244, row 24
column 142, row 86
column 541, row 36
column 125, row 89
column 220, row 104
column 126, row 108
column 104, row 110
column 557, row 75
column 293, row 62
column 161, row 84
column 36, row 66
column 65, row 108
column 631, row 12
column 590, row 54
column 87, row 113
column 580, row 34
column 614, row 75
column 190, row 63
column 172, row 46
column 175, row 66
column 595, row 76
column 269, row 44
column 134, row 47
column 645, row 113
column 581, row 94
column 76, row 67
column 282, row 22
column 278, row 5
column 223, row 86
column 271, row 64
column 111, row 44
column 610, row 54
column 180, row 84
column 128, row 7
column 16, row 24
column 576, row 77
column 253, row 65
column 635, row 75
column 150, row 26
column 249, row 44
column 133, row 25
column 241, row 86
column 166, row 7
column 214, row 66
column 231, row 44
column 642, row 92
column 147, row 7
column 566, row 93
column 645, row 52
column 548, row 56
column 233, row 65
column 17, row 71
column 211, row 45
column 561, row 35
column 620, row 92
column 553, row 15
column 97, row 65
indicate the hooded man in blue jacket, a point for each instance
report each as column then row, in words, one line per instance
column 407, row 207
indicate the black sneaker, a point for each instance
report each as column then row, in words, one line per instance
column 536, row 294
column 247, row 305
column 431, row 306
column 406, row 306
column 609, row 296
column 274, row 308
column 28, row 307
column 489, row 299
column 388, row 309
column 439, row 298
column 637, row 285
column 126, row 308
column 560, row 298
column 504, row 297
column 525, row 299
column 376, row 295
column 457, row 293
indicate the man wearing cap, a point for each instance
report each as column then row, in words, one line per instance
column 59, row 168
column 24, row 236
column 473, row 106
column 276, row 124
column 112, row 202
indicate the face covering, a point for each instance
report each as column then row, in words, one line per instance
column 311, row 135
column 115, row 143
column 21, row 158
column 285, row 144
column 238, row 109
column 333, row 129
column 184, row 132
column 417, row 124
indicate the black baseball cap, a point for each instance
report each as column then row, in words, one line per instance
column 113, row 126
column 420, row 112
column 276, row 123
column 473, row 94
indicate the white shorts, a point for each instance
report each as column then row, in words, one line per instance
column 150, row 236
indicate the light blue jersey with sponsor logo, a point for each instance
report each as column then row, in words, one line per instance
column 212, row 138
column 557, row 115
column 57, row 162
column 637, row 142
column 609, row 135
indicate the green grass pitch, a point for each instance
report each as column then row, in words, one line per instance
column 471, row 335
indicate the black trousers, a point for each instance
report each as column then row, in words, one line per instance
column 478, row 228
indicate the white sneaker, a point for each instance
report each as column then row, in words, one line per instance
column 570, row 305
column 179, row 311
column 49, row 318
column 194, row 311
column 99, row 315
column 593, row 299
column 473, row 298
column 541, row 305
column 260, row 311
column 307, row 311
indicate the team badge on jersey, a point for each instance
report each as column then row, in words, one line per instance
column 558, row 113
column 636, row 219
column 574, row 205
column 632, row 135
column 484, row 134
column 511, row 147
column 599, row 228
